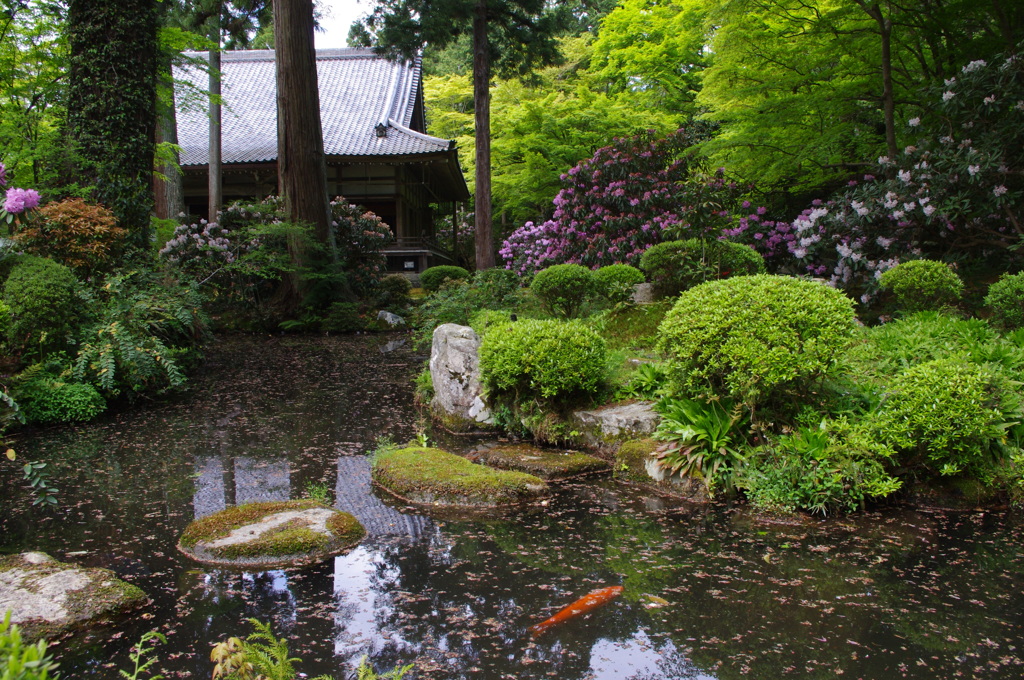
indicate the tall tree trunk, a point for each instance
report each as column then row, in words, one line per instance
column 482, row 108
column 215, row 177
column 888, row 98
column 300, row 155
column 168, row 191
column 111, row 104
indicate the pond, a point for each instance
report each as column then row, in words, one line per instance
column 708, row 592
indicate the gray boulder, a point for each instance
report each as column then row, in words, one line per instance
column 455, row 371
column 390, row 319
column 604, row 429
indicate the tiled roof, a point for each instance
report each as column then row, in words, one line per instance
column 358, row 90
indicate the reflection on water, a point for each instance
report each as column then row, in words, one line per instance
column 888, row 595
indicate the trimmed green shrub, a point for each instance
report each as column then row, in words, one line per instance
column 1006, row 300
column 947, row 416
column 497, row 287
column 393, row 291
column 675, row 266
column 921, row 285
column 543, row 359
column 616, row 282
column 748, row 336
column 564, row 288
column 41, row 297
column 343, row 317
column 50, row 400
column 432, row 278
column 832, row 468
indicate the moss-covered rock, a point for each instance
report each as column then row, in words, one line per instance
column 548, row 464
column 47, row 597
column 429, row 476
column 632, row 459
column 267, row 534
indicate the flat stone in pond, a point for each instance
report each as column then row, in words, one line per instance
column 47, row 597
column 270, row 534
column 548, row 464
column 432, row 477
column 604, row 429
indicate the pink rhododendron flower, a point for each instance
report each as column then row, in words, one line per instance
column 20, row 200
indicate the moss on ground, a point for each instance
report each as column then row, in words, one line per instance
column 547, row 464
column 291, row 542
column 434, row 477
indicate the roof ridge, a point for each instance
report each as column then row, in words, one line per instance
column 448, row 143
column 269, row 55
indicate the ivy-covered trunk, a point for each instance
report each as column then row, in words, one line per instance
column 111, row 104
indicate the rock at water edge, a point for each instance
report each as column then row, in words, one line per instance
column 455, row 372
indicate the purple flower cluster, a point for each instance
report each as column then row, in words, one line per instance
column 17, row 200
column 615, row 205
column 20, row 200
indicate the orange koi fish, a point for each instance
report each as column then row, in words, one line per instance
column 587, row 603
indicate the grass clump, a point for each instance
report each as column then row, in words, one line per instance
column 431, row 476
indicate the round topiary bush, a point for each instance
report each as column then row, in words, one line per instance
column 49, row 401
column 432, row 278
column 747, row 336
column 944, row 415
column 1006, row 300
column 542, row 359
column 616, row 282
column 564, row 288
column 675, row 266
column 41, row 296
column 921, row 285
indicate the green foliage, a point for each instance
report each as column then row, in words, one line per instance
column 141, row 331
column 342, row 317
column 41, row 296
column 19, row 661
column 424, row 387
column 365, row 672
column 922, row 285
column 675, row 266
column 47, row 399
column 748, row 337
column 563, row 288
column 457, row 301
column 486, row 319
column 139, row 655
column 948, row 415
column 1005, row 298
column 616, row 282
column 647, row 382
column 704, row 439
column 833, row 467
column 534, row 359
column 885, row 351
column 432, row 278
column 77, row 234
column 319, row 492
column 261, row 656
column 393, row 291
column 5, row 321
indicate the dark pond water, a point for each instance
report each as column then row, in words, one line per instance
column 888, row 595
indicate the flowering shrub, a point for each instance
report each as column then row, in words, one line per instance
column 957, row 189
column 250, row 240
column 630, row 196
column 15, row 200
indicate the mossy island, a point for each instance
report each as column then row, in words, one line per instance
column 47, row 598
column 432, row 477
column 271, row 534
column 549, row 464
